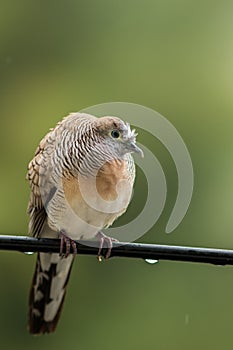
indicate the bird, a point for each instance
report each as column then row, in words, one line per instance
column 81, row 180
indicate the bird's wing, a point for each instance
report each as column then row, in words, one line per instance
column 40, row 169
column 36, row 175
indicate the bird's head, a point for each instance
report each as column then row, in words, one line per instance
column 118, row 135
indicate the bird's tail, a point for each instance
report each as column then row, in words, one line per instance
column 48, row 291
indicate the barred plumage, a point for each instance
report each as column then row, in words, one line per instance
column 73, row 178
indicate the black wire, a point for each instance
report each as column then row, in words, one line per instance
column 126, row 250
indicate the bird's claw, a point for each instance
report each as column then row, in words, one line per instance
column 105, row 239
column 68, row 243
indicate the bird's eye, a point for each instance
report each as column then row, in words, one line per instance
column 115, row 134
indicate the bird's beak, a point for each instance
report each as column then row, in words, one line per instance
column 134, row 148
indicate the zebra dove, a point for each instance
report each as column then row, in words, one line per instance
column 81, row 180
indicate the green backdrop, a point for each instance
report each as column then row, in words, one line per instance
column 174, row 56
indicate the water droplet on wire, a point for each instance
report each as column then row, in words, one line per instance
column 151, row 261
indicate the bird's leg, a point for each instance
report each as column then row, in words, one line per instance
column 67, row 242
column 105, row 239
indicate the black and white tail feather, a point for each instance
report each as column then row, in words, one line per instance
column 48, row 291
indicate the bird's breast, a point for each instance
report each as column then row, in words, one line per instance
column 96, row 201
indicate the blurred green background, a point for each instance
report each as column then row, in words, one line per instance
column 174, row 56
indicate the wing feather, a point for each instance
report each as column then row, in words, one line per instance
column 36, row 209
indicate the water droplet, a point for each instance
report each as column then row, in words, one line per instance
column 28, row 253
column 151, row 261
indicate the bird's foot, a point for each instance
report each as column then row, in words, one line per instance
column 105, row 239
column 66, row 242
